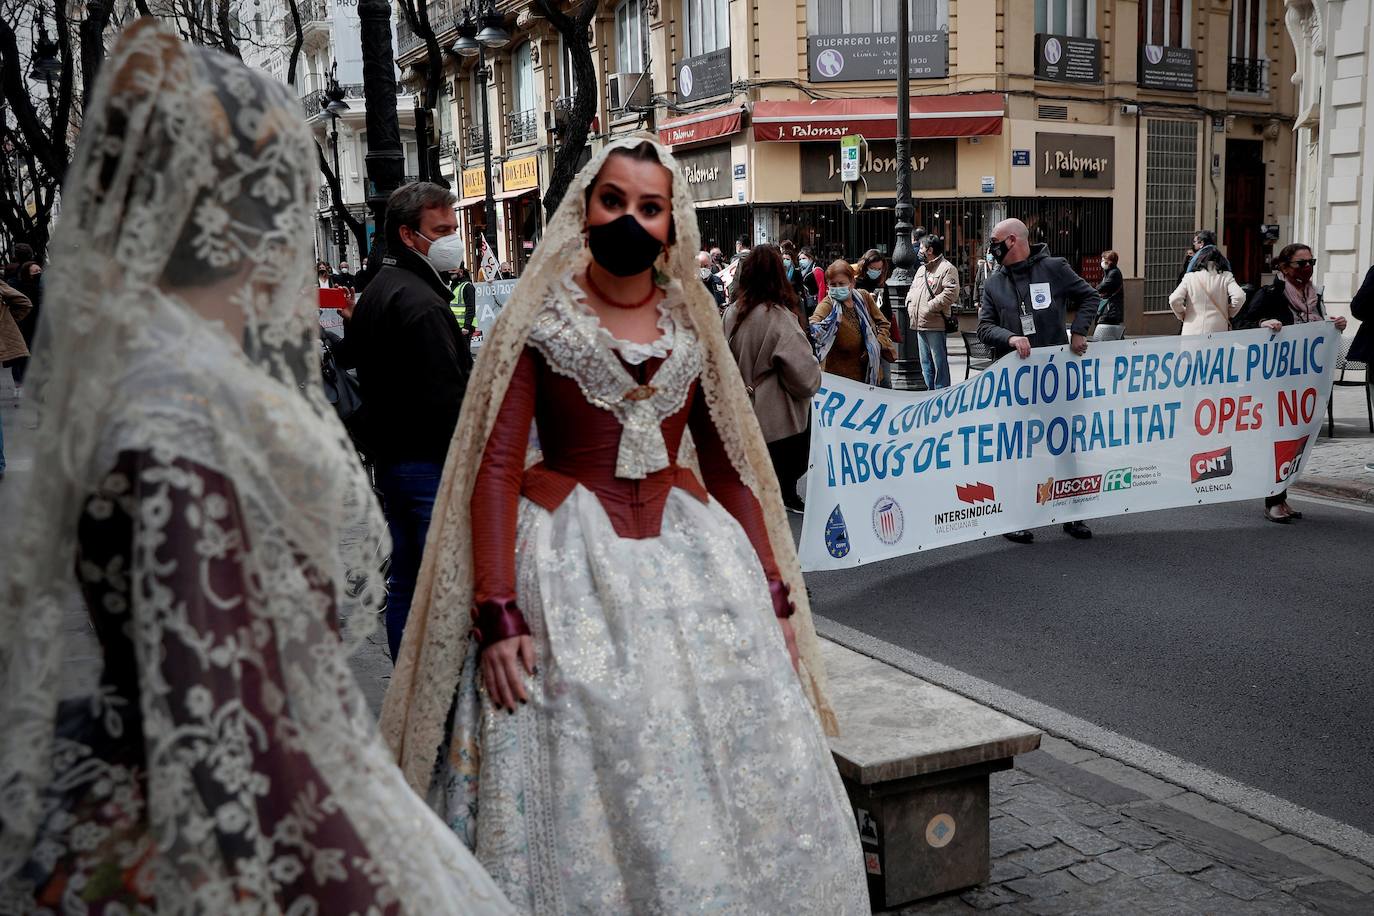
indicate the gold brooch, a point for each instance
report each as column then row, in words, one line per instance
column 640, row 393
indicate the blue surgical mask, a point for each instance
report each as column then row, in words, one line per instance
column 806, row 263
column 839, row 293
column 874, row 273
column 787, row 262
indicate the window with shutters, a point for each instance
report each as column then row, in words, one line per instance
column 1165, row 23
column 1077, row 18
column 832, row 17
column 707, row 25
column 629, row 37
column 1248, row 71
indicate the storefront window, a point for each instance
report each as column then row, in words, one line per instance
column 1076, row 18
column 629, row 37
column 1165, row 22
column 708, row 25
column 831, row 17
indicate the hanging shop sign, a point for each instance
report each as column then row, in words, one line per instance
column 873, row 56
column 701, row 126
column 474, row 182
column 1066, row 59
column 707, row 172
column 519, row 174
column 1172, row 69
column 1075, row 161
column 703, row 76
column 975, row 115
column 933, row 166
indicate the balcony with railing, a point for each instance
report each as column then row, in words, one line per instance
column 1246, row 76
column 314, row 102
column 442, row 16
column 476, row 141
column 522, row 127
column 314, row 17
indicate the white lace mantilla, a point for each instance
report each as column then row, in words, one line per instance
column 574, row 342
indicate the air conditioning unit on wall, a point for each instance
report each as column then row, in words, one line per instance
column 628, row 90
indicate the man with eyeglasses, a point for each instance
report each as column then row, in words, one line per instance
column 1025, row 305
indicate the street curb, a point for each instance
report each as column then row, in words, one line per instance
column 1331, row 488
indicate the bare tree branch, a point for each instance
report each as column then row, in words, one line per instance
column 573, row 28
column 336, row 194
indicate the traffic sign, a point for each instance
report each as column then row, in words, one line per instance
column 855, row 194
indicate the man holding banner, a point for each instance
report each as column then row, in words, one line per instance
column 1025, row 305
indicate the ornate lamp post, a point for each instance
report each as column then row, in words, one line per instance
column 385, row 159
column 472, row 42
column 334, row 106
column 906, row 370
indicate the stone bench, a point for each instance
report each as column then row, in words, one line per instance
column 915, row 760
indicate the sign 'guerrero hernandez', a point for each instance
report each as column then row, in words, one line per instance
column 1132, row 426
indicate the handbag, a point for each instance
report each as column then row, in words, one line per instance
column 341, row 389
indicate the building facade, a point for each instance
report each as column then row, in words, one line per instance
column 1333, row 187
column 331, row 46
column 1101, row 123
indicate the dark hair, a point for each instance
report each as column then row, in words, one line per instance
column 934, row 244
column 1286, row 253
column 1210, row 254
column 919, row 232
column 406, row 203
column 643, row 152
column 1206, row 236
column 789, row 248
column 23, row 253
column 762, row 281
column 806, row 250
column 872, row 255
column 742, row 240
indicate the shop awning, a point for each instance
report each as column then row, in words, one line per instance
column 469, row 201
column 702, row 126
column 830, row 119
column 511, row 195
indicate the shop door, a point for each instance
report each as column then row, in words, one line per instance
column 1244, row 209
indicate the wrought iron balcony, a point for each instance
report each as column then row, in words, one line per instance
column 314, row 102
column 326, row 200
column 475, row 140
column 1248, row 76
column 522, row 127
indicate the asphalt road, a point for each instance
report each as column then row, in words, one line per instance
column 1238, row 645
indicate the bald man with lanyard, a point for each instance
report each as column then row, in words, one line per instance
column 1025, row 305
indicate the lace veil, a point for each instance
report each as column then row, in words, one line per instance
column 427, row 672
column 180, row 326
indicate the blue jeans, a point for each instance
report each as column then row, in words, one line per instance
column 934, row 358
column 408, row 489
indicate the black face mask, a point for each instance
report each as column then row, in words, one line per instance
column 623, row 246
column 999, row 250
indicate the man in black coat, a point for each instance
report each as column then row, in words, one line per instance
column 1025, row 305
column 1362, row 308
column 413, row 369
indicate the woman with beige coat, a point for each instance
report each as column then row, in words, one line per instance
column 765, row 331
column 929, row 304
column 1209, row 296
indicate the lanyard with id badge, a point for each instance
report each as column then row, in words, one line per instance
column 1041, row 298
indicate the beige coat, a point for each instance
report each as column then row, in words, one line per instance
column 14, row 305
column 775, row 359
column 932, row 296
column 1207, row 300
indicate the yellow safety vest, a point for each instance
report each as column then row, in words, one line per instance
column 460, row 311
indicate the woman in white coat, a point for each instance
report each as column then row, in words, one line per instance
column 1208, row 296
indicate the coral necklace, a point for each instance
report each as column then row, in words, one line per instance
column 600, row 294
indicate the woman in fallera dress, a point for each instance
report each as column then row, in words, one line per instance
column 609, row 684
column 193, row 488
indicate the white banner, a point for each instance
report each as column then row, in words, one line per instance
column 1132, row 426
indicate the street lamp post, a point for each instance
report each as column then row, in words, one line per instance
column 385, row 159
column 334, row 106
column 473, row 42
column 906, row 373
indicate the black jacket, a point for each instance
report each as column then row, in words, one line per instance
column 1007, row 294
column 1362, row 307
column 716, row 288
column 412, row 365
column 1111, row 295
column 1271, row 302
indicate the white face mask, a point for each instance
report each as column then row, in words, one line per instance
column 445, row 252
column 705, row 272
column 1104, row 265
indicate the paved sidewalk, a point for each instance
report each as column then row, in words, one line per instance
column 1075, row 832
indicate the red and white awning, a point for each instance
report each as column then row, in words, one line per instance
column 701, row 126
column 932, row 116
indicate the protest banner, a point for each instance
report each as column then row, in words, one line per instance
column 1136, row 425
column 491, row 299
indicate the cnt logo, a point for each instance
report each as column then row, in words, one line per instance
column 1287, row 458
column 975, row 493
column 1117, row 479
column 1052, row 489
column 1208, row 465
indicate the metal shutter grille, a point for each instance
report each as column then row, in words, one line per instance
column 1170, row 205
